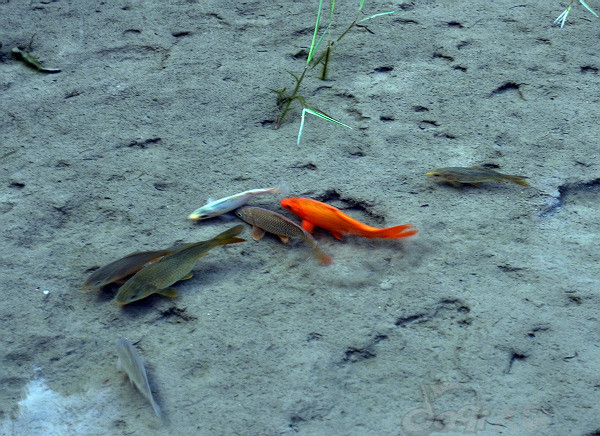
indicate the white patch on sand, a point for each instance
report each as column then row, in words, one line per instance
column 44, row 412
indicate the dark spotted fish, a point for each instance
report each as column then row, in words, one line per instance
column 264, row 220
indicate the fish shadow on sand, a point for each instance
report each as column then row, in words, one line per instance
column 107, row 293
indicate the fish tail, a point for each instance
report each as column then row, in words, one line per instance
column 281, row 188
column 402, row 231
column 322, row 257
column 517, row 179
column 228, row 236
column 156, row 408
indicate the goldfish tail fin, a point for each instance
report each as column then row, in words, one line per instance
column 322, row 257
column 403, row 231
column 518, row 180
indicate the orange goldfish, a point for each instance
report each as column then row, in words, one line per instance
column 315, row 213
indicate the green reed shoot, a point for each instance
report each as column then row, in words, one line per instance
column 285, row 99
column 562, row 18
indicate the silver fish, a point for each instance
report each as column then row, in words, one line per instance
column 132, row 363
column 227, row 204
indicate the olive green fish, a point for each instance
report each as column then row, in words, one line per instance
column 457, row 176
column 157, row 277
column 264, row 220
column 132, row 364
column 121, row 268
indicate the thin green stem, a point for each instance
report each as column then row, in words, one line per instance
column 293, row 96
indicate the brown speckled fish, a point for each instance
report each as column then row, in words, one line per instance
column 264, row 220
column 458, row 176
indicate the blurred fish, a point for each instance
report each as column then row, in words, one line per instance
column 457, row 176
column 316, row 213
column 122, row 268
column 132, row 364
column 263, row 220
column 227, row 204
column 157, row 277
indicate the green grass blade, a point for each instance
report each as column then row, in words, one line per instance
column 588, row 8
column 310, row 56
column 326, row 117
column 377, row 15
column 311, row 52
column 301, row 128
column 362, row 3
column 320, row 115
column 563, row 17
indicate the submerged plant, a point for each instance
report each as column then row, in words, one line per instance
column 562, row 18
column 285, row 98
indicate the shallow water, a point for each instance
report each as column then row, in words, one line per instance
column 485, row 321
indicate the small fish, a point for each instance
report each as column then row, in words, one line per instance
column 219, row 207
column 32, row 62
column 132, row 364
column 264, row 220
column 157, row 277
column 121, row 268
column 315, row 213
column 473, row 176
